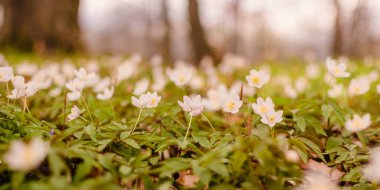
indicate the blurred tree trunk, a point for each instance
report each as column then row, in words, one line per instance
column 360, row 41
column 200, row 46
column 236, row 17
column 40, row 26
column 167, row 36
column 338, row 36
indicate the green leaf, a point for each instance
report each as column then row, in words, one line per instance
column 83, row 170
column 313, row 146
column 326, row 111
column 300, row 123
column 131, row 143
column 219, row 168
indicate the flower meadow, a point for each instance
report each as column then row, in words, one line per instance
column 144, row 123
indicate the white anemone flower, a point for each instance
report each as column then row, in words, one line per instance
column 6, row 74
column 262, row 107
column 371, row 170
column 148, row 100
column 75, row 113
column 271, row 118
column 358, row 123
column 335, row 69
column 257, row 78
column 141, row 87
column 23, row 157
column 232, row 104
column 359, row 86
column 74, row 95
column 106, row 94
column 335, row 91
column 75, row 85
column 193, row 105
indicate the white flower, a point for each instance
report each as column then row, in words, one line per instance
column 215, row 98
column 371, row 171
column 74, row 95
column 27, row 69
column 75, row 112
column 335, row 91
column 312, row 70
column 106, row 94
column 335, row 69
column 6, row 74
column 301, row 84
column 359, row 86
column 231, row 62
column 148, row 100
column 23, row 156
column 31, row 88
column 193, row 105
column 232, row 104
column 55, row 92
column 28, row 90
column 197, row 82
column 81, row 74
column 125, row 70
column 89, row 79
column 358, row 123
column 271, row 118
column 75, row 85
column 247, row 90
column 180, row 75
column 102, row 84
column 257, row 78
column 15, row 94
column 154, row 99
column 141, row 87
column 292, row 156
column 378, row 88
column 317, row 181
column 290, row 91
column 19, row 82
column 262, row 107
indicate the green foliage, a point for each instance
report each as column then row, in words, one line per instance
column 240, row 154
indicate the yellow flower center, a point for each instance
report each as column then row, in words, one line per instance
column 28, row 156
column 153, row 101
column 255, row 80
column 263, row 109
column 271, row 118
column 231, row 105
column 336, row 71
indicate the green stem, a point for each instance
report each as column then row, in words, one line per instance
column 188, row 128
column 113, row 110
column 208, row 121
column 26, row 105
column 83, row 118
column 328, row 87
column 7, row 92
column 88, row 110
column 137, row 121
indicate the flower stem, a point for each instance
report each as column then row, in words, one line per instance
column 7, row 92
column 327, row 89
column 208, row 121
column 26, row 105
column 113, row 110
column 188, row 128
column 137, row 121
column 88, row 110
column 83, row 118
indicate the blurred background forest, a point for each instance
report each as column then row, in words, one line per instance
column 191, row 29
